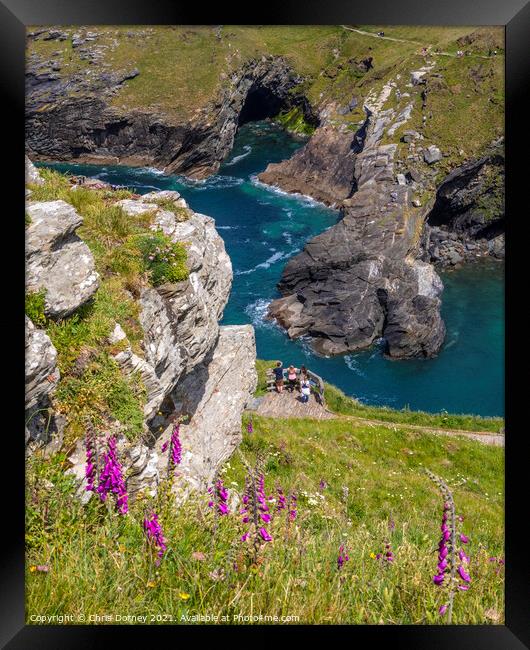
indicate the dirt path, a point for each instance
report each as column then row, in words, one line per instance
column 404, row 40
column 288, row 405
column 485, row 437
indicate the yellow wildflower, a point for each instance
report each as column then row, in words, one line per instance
column 183, row 596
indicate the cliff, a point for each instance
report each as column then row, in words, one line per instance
column 113, row 349
column 386, row 118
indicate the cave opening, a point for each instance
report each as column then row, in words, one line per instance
column 261, row 103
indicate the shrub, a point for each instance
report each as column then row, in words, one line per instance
column 56, row 186
column 164, row 260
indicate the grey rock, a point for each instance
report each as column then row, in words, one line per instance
column 432, row 154
column 32, row 174
column 358, row 281
column 57, row 261
column 327, row 149
column 42, row 374
column 180, row 321
column 214, row 394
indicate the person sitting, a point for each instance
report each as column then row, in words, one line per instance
column 278, row 374
column 291, row 376
column 306, row 390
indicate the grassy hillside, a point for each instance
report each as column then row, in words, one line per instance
column 182, row 68
column 92, row 385
column 357, row 486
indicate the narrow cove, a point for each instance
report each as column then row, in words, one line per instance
column 263, row 227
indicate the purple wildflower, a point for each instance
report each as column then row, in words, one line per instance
column 292, row 507
column 442, row 610
column 153, row 530
column 221, row 496
column 322, row 485
column 465, row 576
column 250, row 428
column 342, row 557
column 265, row 535
column 111, row 478
column 464, row 539
column 176, row 447
column 282, row 501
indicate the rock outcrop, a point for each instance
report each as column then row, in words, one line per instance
column 57, row 260
column 32, row 174
column 180, row 321
column 467, row 220
column 361, row 279
column 42, row 377
column 214, row 394
column 322, row 169
column 86, row 127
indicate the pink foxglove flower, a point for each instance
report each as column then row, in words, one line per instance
column 153, row 531
column 111, row 479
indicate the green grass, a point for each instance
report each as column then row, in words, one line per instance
column 293, row 120
column 198, row 61
column 99, row 562
column 34, row 307
column 182, row 214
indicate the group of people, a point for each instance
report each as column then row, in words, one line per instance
column 293, row 375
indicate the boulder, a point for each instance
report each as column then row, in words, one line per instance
column 432, row 154
column 57, row 261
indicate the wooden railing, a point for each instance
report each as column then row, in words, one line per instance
column 316, row 382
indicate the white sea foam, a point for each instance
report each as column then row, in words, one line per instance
column 257, row 312
column 276, row 257
column 154, row 170
column 308, row 200
column 353, row 364
column 288, row 237
column 236, row 159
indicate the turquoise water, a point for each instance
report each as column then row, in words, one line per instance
column 262, row 228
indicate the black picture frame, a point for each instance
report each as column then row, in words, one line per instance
column 15, row 15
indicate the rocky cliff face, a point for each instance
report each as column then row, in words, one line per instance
column 322, row 169
column 361, row 280
column 180, row 321
column 468, row 220
column 188, row 365
column 85, row 126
